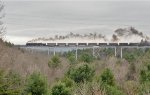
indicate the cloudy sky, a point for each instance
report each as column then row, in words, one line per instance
column 27, row 19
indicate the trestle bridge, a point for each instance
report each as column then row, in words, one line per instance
column 75, row 46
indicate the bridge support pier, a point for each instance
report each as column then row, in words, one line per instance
column 76, row 53
column 54, row 52
column 32, row 50
column 48, row 51
column 144, row 49
column 93, row 51
column 121, row 53
column 115, row 52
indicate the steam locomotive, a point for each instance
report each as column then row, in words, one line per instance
column 35, row 44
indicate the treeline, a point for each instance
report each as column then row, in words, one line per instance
column 85, row 76
column 6, row 43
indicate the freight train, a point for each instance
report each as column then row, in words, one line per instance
column 88, row 44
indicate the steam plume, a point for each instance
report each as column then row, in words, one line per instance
column 128, row 32
column 120, row 35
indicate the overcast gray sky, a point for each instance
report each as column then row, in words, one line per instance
column 26, row 20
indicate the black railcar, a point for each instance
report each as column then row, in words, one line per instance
column 92, row 44
column 82, row 44
column 61, row 44
column 134, row 44
column 113, row 44
column 102, row 44
column 35, row 44
column 72, row 44
column 51, row 44
column 123, row 44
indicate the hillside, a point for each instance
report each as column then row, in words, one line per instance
column 38, row 74
column 25, row 63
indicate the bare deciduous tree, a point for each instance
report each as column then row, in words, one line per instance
column 2, row 15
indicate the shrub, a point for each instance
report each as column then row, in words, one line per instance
column 36, row 85
column 129, row 57
column 10, row 84
column 145, row 74
column 145, row 88
column 107, row 82
column 69, row 54
column 107, row 77
column 85, row 57
column 68, row 82
column 60, row 89
column 145, row 80
column 81, row 73
column 139, row 52
column 54, row 62
column 108, row 51
column 113, row 90
column 72, row 59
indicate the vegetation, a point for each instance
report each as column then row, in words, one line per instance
column 109, row 76
column 54, row 62
column 107, row 82
column 145, row 74
column 108, row 51
column 36, row 85
column 9, row 44
column 131, row 72
column 145, row 80
column 129, row 57
column 61, row 89
column 85, row 57
column 72, row 58
column 81, row 73
column 9, row 83
column 68, row 82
